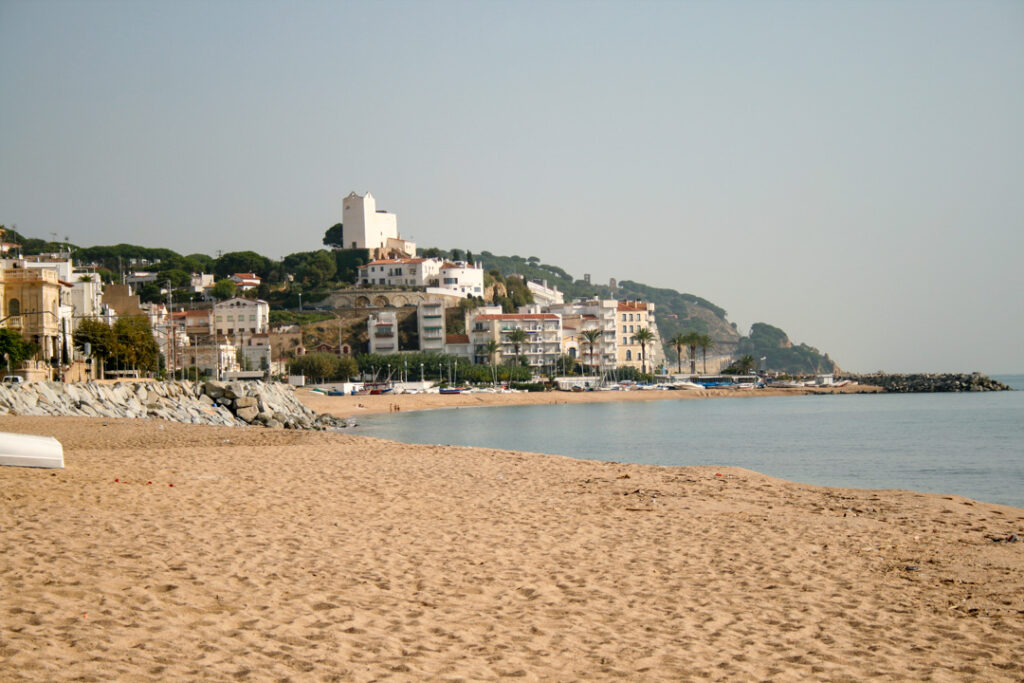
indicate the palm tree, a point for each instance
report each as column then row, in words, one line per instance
column 644, row 336
column 692, row 340
column 492, row 348
column 705, row 343
column 746, row 364
column 592, row 337
column 679, row 341
column 517, row 336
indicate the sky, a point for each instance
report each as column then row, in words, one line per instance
column 850, row 172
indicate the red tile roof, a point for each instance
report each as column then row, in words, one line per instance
column 632, row 306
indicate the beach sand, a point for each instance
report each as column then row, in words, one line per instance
column 175, row 552
column 364, row 404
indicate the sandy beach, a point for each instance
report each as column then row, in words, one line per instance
column 351, row 406
column 174, row 552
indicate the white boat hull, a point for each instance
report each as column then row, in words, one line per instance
column 26, row 450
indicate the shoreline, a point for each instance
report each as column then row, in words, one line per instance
column 173, row 551
column 365, row 404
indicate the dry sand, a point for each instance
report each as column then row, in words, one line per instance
column 251, row 554
column 349, row 406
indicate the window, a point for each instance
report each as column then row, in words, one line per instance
column 623, row 316
column 14, row 307
column 629, row 355
column 624, row 330
column 630, row 328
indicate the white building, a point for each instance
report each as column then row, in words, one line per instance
column 430, row 325
column 382, row 329
column 593, row 314
column 366, row 227
column 465, row 279
column 245, row 281
column 86, row 299
column 436, row 276
column 403, row 272
column 240, row 318
column 544, row 295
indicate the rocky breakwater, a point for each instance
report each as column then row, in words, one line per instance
column 215, row 403
column 927, row 383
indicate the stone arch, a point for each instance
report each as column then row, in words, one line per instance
column 400, row 301
column 381, row 300
column 362, row 301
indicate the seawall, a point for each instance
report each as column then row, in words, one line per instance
column 272, row 405
column 931, row 382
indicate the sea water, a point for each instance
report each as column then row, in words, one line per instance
column 968, row 444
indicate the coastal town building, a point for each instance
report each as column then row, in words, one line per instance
column 212, row 359
column 460, row 277
column 245, row 281
column 436, row 276
column 367, row 227
column 543, row 344
column 591, row 314
column 30, row 299
column 400, row 272
column 632, row 316
column 458, row 345
column 430, row 324
column 239, row 318
column 544, row 295
column 382, row 330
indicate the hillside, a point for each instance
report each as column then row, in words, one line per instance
column 675, row 312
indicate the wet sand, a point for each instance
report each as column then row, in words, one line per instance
column 176, row 552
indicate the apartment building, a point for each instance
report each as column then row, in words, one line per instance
column 240, row 318
column 592, row 314
column 543, row 331
column 632, row 316
column 430, row 323
column 382, row 329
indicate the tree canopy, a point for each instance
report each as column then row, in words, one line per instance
column 334, row 237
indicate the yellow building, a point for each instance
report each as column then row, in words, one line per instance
column 30, row 302
column 633, row 316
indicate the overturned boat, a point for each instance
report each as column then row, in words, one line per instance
column 28, row 450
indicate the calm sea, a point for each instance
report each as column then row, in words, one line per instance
column 969, row 444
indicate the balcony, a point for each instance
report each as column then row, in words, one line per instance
column 14, row 322
column 383, row 333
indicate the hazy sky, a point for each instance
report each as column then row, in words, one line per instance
column 852, row 172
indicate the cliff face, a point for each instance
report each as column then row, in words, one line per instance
column 781, row 355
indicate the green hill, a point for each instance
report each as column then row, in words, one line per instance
column 675, row 312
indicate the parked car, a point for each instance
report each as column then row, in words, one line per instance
column 13, row 379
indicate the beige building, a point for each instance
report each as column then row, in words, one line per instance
column 631, row 317
column 239, row 319
column 543, row 343
column 30, row 299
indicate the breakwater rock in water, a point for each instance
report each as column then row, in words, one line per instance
column 927, row 383
column 215, row 403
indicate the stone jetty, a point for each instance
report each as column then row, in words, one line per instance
column 927, row 383
column 266, row 404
